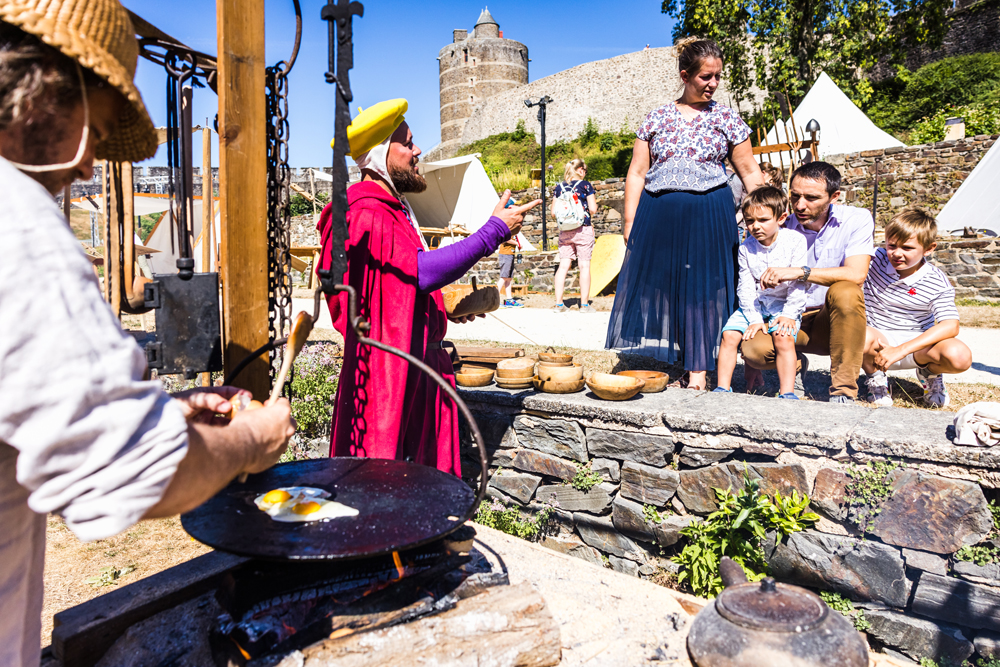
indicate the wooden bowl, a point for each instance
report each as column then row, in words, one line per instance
column 474, row 379
column 554, row 356
column 614, row 387
column 462, row 300
column 572, row 373
column 516, row 383
column 472, row 369
column 655, row 380
column 518, row 368
column 554, row 387
column 555, row 364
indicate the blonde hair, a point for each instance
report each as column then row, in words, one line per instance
column 692, row 52
column 772, row 175
column 912, row 222
column 571, row 168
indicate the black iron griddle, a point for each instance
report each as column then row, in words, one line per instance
column 401, row 505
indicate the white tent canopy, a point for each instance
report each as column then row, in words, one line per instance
column 976, row 203
column 143, row 203
column 165, row 261
column 844, row 128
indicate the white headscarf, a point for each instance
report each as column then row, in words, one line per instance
column 375, row 160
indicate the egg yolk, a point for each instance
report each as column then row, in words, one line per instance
column 276, row 496
column 306, row 508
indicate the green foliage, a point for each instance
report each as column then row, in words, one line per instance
column 839, row 603
column 737, row 529
column 988, row 662
column 585, row 478
column 794, row 40
column 590, row 131
column 146, row 224
column 520, row 132
column 868, row 489
column 314, row 385
column 495, row 514
column 651, row 515
column 979, row 119
column 109, row 576
column 299, row 205
column 981, row 554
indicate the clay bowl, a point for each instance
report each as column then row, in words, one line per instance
column 518, row 368
column 515, row 383
column 572, row 373
column 553, row 387
column 555, row 357
column 614, row 387
column 655, row 380
column 474, row 377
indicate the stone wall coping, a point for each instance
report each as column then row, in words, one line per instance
column 905, row 433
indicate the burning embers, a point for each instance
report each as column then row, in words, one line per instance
column 275, row 608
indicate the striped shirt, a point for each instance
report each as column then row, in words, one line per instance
column 914, row 303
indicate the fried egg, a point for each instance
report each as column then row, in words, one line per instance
column 301, row 503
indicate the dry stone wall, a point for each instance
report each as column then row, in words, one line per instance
column 660, row 457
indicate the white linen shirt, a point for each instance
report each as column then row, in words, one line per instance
column 848, row 231
column 80, row 433
column 914, row 303
column 787, row 299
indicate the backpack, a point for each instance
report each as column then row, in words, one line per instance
column 568, row 209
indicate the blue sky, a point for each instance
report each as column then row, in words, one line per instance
column 395, row 46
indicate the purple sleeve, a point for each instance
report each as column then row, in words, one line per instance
column 437, row 268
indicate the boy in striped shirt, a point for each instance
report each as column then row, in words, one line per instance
column 912, row 319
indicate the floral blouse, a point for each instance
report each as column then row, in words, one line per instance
column 688, row 155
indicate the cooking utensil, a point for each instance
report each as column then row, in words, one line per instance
column 655, row 381
column 401, row 505
column 554, row 356
column 556, row 387
column 571, row 373
column 768, row 623
column 614, row 387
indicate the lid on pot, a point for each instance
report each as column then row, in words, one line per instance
column 771, row 607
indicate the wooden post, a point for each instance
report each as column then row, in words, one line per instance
column 243, row 188
column 112, row 259
column 105, row 229
column 207, row 214
column 128, row 233
column 67, row 205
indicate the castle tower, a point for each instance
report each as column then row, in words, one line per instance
column 473, row 68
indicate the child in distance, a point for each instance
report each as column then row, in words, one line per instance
column 776, row 311
column 911, row 313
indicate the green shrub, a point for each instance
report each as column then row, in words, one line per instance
column 314, row 386
column 979, row 119
column 299, row 205
column 585, row 478
column 590, row 132
column 844, row 606
column 495, row 514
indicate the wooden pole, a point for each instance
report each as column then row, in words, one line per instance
column 67, row 205
column 112, row 262
column 105, row 229
column 243, row 188
column 128, row 235
column 207, row 214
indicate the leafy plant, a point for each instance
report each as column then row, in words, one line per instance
column 843, row 605
column 980, row 554
column 978, row 119
column 109, row 576
column 868, row 490
column 299, row 205
column 496, row 514
column 651, row 515
column 738, row 529
column 585, row 478
column 314, row 386
column 590, row 131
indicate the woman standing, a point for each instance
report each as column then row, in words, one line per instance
column 678, row 283
column 576, row 243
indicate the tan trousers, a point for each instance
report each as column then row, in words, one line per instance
column 836, row 330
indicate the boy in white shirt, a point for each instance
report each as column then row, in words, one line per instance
column 912, row 319
column 776, row 311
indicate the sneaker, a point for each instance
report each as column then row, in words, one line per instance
column 800, row 377
column 935, row 393
column 510, row 303
column 790, row 395
column 560, row 308
column 878, row 389
column 587, row 308
column 841, row 399
column 722, row 389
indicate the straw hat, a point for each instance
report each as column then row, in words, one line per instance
column 374, row 125
column 99, row 35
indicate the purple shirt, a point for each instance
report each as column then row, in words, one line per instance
column 437, row 268
column 688, row 155
column 848, row 231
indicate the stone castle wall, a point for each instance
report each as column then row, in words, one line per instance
column 660, row 457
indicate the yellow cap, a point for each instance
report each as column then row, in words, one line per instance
column 374, row 125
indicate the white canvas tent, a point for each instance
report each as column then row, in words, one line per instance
column 976, row 204
column 844, row 128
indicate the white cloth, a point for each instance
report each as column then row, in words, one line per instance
column 788, row 299
column 914, row 303
column 978, row 424
column 91, row 440
column 375, row 160
column 848, row 231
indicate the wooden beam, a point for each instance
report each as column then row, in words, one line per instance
column 243, row 188
column 105, row 229
column 207, row 216
column 776, row 148
column 113, row 263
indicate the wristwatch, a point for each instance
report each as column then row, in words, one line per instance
column 805, row 273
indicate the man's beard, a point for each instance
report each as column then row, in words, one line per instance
column 406, row 179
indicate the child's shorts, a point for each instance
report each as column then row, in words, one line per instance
column 506, row 266
column 897, row 338
column 739, row 322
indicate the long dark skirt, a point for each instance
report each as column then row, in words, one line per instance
column 677, row 286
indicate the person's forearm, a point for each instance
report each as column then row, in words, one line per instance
column 827, row 277
column 437, row 268
column 634, row 183
column 937, row 333
column 215, row 456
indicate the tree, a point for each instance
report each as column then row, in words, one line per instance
column 783, row 45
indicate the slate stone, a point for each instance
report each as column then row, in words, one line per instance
column 776, row 477
column 761, row 450
column 654, row 450
column 858, row 569
column 919, row 638
column 572, row 500
column 678, row 506
column 530, row 460
column 648, row 485
column 950, row 599
column 558, row 437
column 668, row 532
column 828, row 496
column 921, row 560
column 933, row 513
column 502, row 458
column 696, row 487
column 518, row 485
column 698, row 457
column 989, row 573
column 497, row 430
column 610, row 470
column 572, row 546
column 627, row 517
column 600, row 533
column 987, row 645
column 624, row 566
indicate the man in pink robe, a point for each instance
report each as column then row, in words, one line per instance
column 386, row 408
